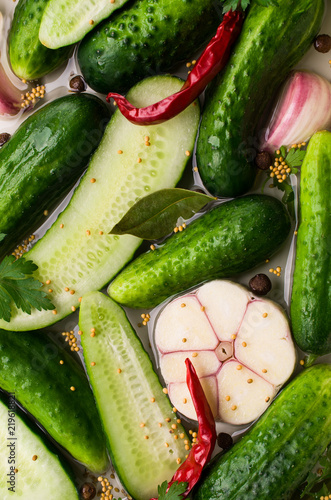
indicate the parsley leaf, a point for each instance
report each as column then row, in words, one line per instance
column 235, row 4
column 175, row 491
column 295, row 158
column 18, row 288
column 2, row 236
column 319, row 479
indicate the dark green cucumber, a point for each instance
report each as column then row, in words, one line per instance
column 311, row 294
column 149, row 37
column 233, row 237
column 30, row 59
column 44, row 159
column 20, row 475
column 57, row 395
column 272, row 41
column 127, row 399
column 77, row 252
column 276, row 455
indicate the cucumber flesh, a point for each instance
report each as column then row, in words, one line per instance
column 124, row 399
column 67, row 21
column 35, row 479
column 73, row 254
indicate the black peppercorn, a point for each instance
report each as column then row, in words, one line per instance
column 77, row 84
column 260, row 284
column 263, row 160
column 4, row 137
column 323, row 43
column 224, row 441
column 88, row 491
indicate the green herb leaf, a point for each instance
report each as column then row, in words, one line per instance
column 155, row 215
column 175, row 491
column 19, row 289
column 316, row 479
column 2, row 236
column 295, row 157
column 235, row 4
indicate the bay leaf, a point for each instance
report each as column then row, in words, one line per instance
column 155, row 215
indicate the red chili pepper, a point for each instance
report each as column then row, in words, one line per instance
column 200, row 453
column 211, row 61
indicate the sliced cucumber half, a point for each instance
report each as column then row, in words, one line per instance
column 67, row 21
column 146, row 441
column 77, row 254
column 28, row 469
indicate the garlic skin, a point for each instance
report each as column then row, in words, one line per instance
column 10, row 96
column 303, row 108
column 239, row 344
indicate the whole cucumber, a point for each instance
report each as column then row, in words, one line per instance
column 272, row 41
column 311, row 294
column 44, row 159
column 56, row 394
column 276, row 455
column 30, row 59
column 148, row 38
column 233, row 237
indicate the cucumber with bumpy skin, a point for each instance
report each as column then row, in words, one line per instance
column 273, row 40
column 233, row 237
column 56, row 394
column 78, row 253
column 276, row 455
column 67, row 21
column 129, row 394
column 44, row 159
column 147, row 38
column 311, row 294
column 30, row 59
column 21, row 476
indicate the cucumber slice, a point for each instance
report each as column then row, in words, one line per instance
column 124, row 399
column 37, row 479
column 73, row 254
column 67, row 21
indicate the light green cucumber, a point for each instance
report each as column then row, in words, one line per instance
column 77, row 252
column 29, row 59
column 311, row 294
column 20, row 440
column 67, row 21
column 126, row 399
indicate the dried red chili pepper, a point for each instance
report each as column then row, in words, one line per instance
column 211, row 61
column 190, row 470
